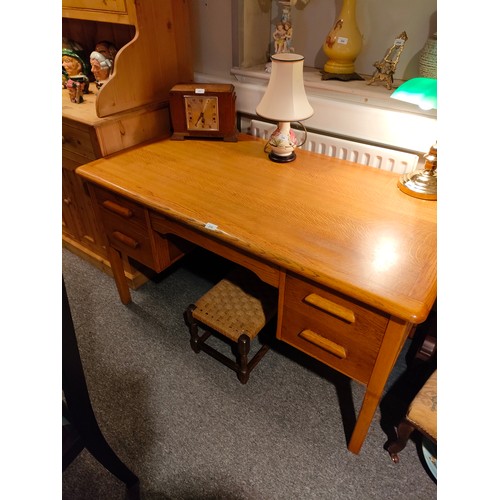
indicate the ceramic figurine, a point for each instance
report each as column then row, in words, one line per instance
column 73, row 63
column 288, row 36
column 100, row 68
column 279, row 37
column 102, row 62
column 76, row 86
column 108, row 50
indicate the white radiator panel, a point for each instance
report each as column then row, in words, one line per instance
column 373, row 156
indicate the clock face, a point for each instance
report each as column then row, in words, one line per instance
column 202, row 112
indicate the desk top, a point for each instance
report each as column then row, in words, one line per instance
column 341, row 224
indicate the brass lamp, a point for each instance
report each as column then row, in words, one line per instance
column 421, row 183
column 285, row 101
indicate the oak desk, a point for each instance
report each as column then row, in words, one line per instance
column 353, row 257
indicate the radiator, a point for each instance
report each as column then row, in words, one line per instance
column 373, row 156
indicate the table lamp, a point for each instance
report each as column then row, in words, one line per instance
column 285, row 101
column 421, row 183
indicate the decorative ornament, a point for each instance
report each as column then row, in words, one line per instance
column 428, row 58
column 76, row 86
column 102, row 62
column 386, row 67
column 74, row 63
column 343, row 45
column 282, row 35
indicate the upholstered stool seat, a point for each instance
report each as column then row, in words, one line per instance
column 421, row 415
column 238, row 307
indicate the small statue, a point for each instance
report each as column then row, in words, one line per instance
column 102, row 62
column 279, row 38
column 288, row 36
column 386, row 68
column 73, row 64
column 283, row 33
column 100, row 68
column 108, row 50
column 76, row 86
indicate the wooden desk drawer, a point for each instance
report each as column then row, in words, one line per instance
column 79, row 140
column 343, row 334
column 122, row 209
column 127, row 227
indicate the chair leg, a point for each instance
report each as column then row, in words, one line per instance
column 101, row 450
column 78, row 405
column 404, row 431
column 243, row 350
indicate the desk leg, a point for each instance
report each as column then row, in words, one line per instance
column 395, row 335
column 115, row 259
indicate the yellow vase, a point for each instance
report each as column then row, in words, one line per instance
column 344, row 42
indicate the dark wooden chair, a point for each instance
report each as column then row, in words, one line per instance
column 80, row 427
column 421, row 416
column 238, row 307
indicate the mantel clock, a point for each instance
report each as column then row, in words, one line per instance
column 203, row 110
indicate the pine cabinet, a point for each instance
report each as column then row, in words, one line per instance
column 154, row 54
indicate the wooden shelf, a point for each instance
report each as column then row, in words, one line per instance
column 154, row 54
column 154, row 48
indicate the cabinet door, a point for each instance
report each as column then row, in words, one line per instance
column 70, row 218
column 79, row 221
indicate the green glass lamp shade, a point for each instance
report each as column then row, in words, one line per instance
column 420, row 183
column 419, row 91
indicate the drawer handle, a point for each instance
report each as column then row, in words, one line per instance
column 118, row 209
column 126, row 240
column 327, row 345
column 330, row 307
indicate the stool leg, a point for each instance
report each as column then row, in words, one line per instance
column 243, row 350
column 394, row 447
column 193, row 330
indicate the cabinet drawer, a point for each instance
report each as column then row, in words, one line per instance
column 103, row 11
column 342, row 333
column 101, row 5
column 79, row 141
column 128, row 229
column 122, row 209
column 125, row 224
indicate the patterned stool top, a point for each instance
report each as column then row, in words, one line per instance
column 423, row 410
column 240, row 303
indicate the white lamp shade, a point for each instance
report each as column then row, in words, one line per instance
column 285, row 98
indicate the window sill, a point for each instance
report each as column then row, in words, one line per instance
column 355, row 91
column 350, row 110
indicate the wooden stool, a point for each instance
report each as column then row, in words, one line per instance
column 421, row 415
column 238, row 307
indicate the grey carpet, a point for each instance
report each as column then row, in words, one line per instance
column 185, row 425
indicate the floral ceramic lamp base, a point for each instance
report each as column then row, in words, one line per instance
column 282, row 143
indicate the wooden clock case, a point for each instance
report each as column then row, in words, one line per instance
column 226, row 111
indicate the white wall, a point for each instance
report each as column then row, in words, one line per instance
column 212, row 36
column 351, row 110
column 380, row 21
